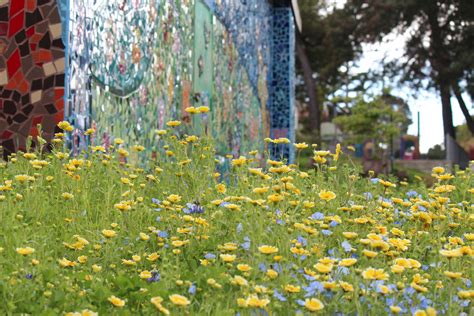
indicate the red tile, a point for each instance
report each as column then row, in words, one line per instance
column 58, row 93
column 3, row 29
column 59, row 104
column 16, row 24
column 13, row 63
column 16, row 6
column 6, row 135
column 43, row 56
column 37, row 120
column 34, row 131
column 30, row 5
column 24, row 87
column 33, row 47
column 30, row 32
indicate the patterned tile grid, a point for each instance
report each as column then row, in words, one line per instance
column 283, row 93
column 238, row 120
column 32, row 67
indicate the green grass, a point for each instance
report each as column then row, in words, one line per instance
column 304, row 228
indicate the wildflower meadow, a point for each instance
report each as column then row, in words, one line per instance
column 102, row 234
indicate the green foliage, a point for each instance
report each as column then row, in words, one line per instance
column 312, row 220
column 372, row 120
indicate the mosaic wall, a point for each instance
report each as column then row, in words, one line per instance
column 134, row 65
column 32, row 63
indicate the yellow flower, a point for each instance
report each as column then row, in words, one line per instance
column 272, row 274
column 108, row 233
column 221, row 188
column 239, row 161
column 240, row 281
column 323, row 268
column 313, row 304
column 395, row 309
column 179, row 300
column 244, row 267
column 67, row 196
column 65, row 126
column 451, row 253
column 254, row 301
column 25, row 251
column 117, row 302
column 374, row 274
column 227, row 258
column 203, row 109
column 453, row 275
column 369, row 253
column 268, row 250
column 65, row 263
column 301, row 146
column 327, row 195
column 292, row 288
column 145, row 274
column 153, row 257
column 174, row 198
column 275, row 198
column 438, row 170
column 173, row 123
column 347, row 262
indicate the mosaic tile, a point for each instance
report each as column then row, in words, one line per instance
column 27, row 31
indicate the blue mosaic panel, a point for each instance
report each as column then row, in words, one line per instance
column 283, row 90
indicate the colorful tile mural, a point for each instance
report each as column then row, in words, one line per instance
column 134, row 65
column 32, row 64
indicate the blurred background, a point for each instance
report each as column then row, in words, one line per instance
column 390, row 78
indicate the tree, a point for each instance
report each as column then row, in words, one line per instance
column 376, row 120
column 438, row 48
column 324, row 45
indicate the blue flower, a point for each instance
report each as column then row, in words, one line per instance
column 317, row 216
column 313, row 288
column 375, row 180
column 262, row 267
column 155, row 277
column 162, row 234
column 300, row 302
column 246, row 245
column 368, row 195
column 326, row 232
column 210, row 256
column 192, row 289
column 333, row 223
column 156, row 201
column 412, row 193
column 279, row 296
column 192, row 208
column 302, row 240
column 29, row 276
column 346, row 246
column 239, row 228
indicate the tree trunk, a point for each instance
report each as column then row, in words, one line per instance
column 314, row 107
column 447, row 110
column 462, row 105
